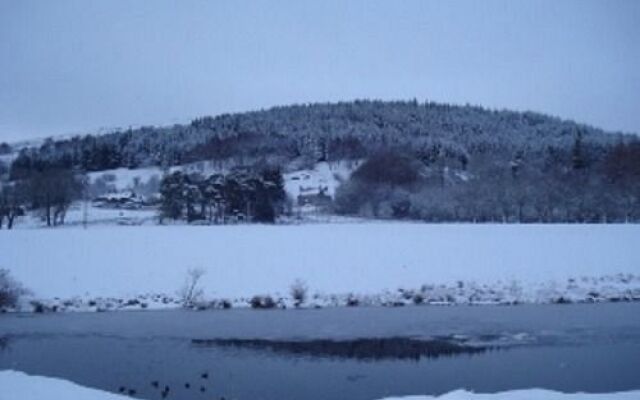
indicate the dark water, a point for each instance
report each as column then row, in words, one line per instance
column 360, row 353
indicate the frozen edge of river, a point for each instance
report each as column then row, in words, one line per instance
column 18, row 385
column 607, row 288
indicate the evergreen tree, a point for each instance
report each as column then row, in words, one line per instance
column 172, row 199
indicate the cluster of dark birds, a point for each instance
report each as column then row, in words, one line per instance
column 166, row 389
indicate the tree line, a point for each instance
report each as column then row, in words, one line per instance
column 306, row 134
column 242, row 195
column 561, row 186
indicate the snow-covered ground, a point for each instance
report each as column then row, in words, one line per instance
column 19, row 386
column 124, row 178
column 110, row 216
column 7, row 159
column 350, row 263
column 81, row 212
column 327, row 176
column 527, row 394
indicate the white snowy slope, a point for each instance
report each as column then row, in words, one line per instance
column 323, row 177
column 19, row 386
column 449, row 262
column 124, row 178
column 527, row 394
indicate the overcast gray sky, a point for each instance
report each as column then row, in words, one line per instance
column 75, row 66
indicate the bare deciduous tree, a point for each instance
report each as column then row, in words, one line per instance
column 12, row 202
column 191, row 292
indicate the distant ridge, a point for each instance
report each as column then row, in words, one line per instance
column 325, row 131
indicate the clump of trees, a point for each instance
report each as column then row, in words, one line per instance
column 51, row 192
column 380, row 186
column 46, row 190
column 244, row 194
column 571, row 185
column 5, row 148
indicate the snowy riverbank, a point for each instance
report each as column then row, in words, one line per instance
column 613, row 288
column 341, row 264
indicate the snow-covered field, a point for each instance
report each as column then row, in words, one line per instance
column 80, row 213
column 369, row 263
column 17, row 385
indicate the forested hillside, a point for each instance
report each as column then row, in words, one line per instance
column 456, row 162
column 322, row 132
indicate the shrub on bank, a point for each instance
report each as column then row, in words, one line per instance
column 10, row 290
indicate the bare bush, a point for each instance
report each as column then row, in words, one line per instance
column 298, row 291
column 191, row 291
column 10, row 290
column 352, row 300
column 262, row 302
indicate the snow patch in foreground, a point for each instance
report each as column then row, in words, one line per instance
column 527, row 394
column 18, row 385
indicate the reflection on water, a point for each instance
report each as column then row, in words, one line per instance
column 174, row 368
column 359, row 349
column 4, row 343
